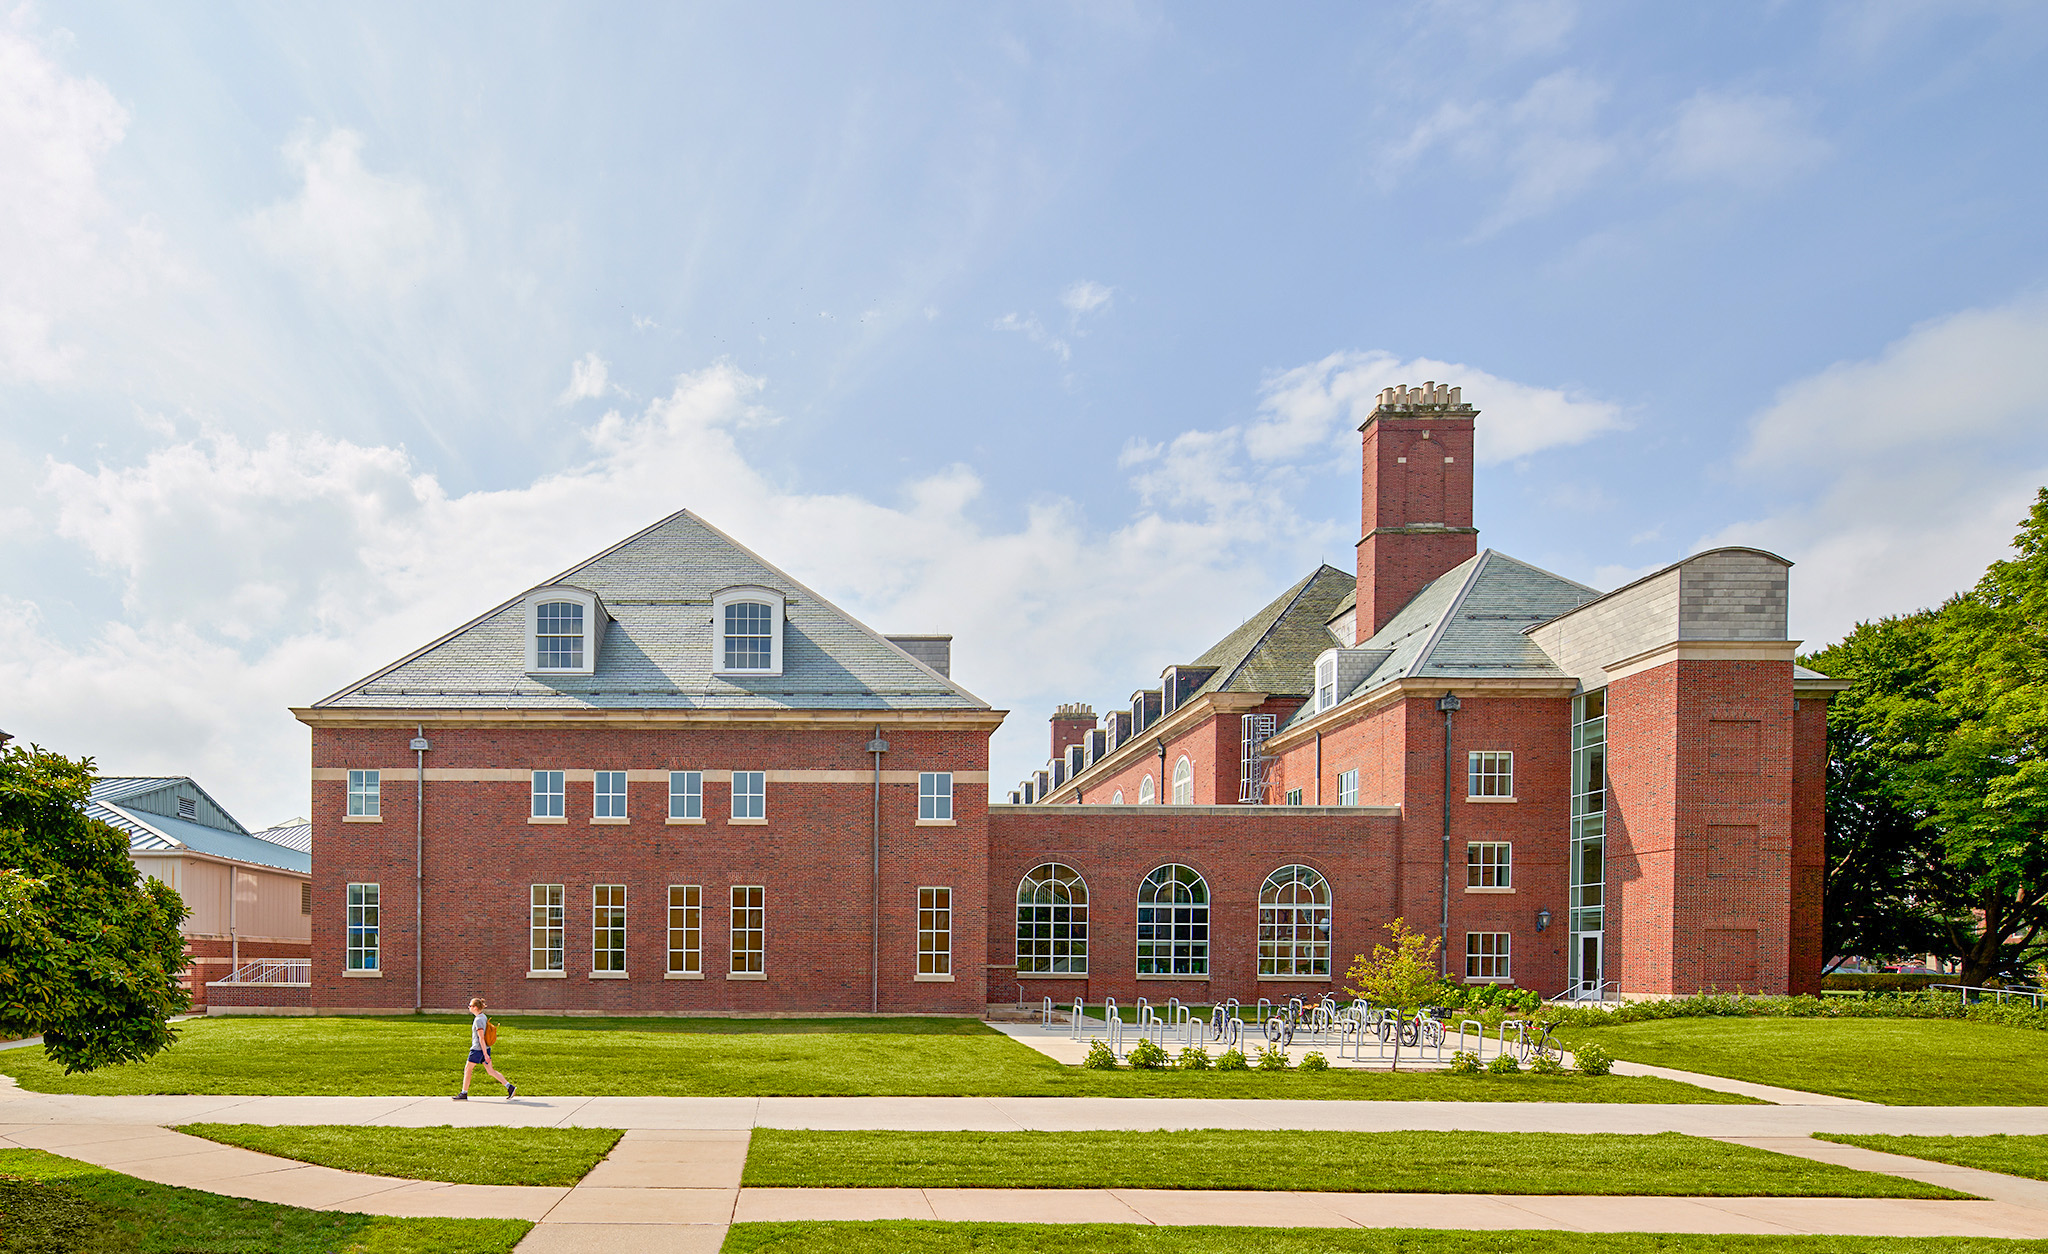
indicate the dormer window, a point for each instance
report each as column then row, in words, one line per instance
column 746, row 625
column 1326, row 683
column 564, row 630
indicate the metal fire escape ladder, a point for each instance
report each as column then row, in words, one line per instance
column 1254, row 767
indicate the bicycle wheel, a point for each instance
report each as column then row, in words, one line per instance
column 1273, row 1026
column 1549, row 1048
column 1409, row 1032
column 1433, row 1034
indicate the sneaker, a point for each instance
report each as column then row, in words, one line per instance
column 462, row 1096
column 510, row 1090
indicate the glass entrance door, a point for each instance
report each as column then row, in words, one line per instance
column 1589, row 964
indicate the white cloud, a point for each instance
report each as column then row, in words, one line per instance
column 589, row 379
column 1306, row 407
column 1548, row 144
column 1085, row 296
column 1032, row 329
column 1740, row 138
column 1906, row 474
column 349, row 228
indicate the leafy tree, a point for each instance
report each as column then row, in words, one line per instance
column 1400, row 974
column 90, row 952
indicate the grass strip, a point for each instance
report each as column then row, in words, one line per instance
column 1666, row 1164
column 2008, row 1155
column 1900, row 1062
column 54, row 1205
column 413, row 1055
column 915, row 1237
column 543, row 1156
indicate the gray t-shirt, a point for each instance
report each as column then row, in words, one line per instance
column 476, row 1032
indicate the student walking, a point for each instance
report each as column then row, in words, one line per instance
column 481, row 1036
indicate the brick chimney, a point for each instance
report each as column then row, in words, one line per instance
column 1071, row 723
column 1416, row 507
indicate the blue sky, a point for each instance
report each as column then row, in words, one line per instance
column 324, row 327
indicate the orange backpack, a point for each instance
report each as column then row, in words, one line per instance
column 490, row 1034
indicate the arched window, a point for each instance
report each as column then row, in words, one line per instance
column 746, row 625
column 1173, row 922
column 1052, row 921
column 1145, row 793
column 1294, row 923
column 1118, row 799
column 1183, row 783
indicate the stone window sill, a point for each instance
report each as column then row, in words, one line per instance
column 1489, row 979
column 547, row 975
column 1492, row 800
column 938, row 822
column 684, row 975
column 362, row 975
column 746, row 822
column 545, row 818
column 746, row 975
column 596, row 822
column 362, row 818
column 1294, row 979
column 1197, row 979
column 1477, row 888
column 922, row 978
column 608, row 975
column 1052, row 975
column 684, row 822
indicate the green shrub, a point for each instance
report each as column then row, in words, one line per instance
column 1884, row 981
column 1593, row 1060
column 1271, row 1058
column 1313, row 1060
column 1146, row 1055
column 1503, row 1064
column 1194, row 1058
column 1464, row 1062
column 1232, row 1060
column 1100, row 1057
column 1544, row 1064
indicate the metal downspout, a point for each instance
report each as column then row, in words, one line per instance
column 878, row 747
column 419, row 860
column 1449, row 705
column 1319, row 768
column 1156, row 798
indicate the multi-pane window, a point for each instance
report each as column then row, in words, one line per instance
column 749, row 638
column 1052, row 921
column 935, row 794
column 750, row 794
column 685, row 929
column 1491, row 773
column 1294, row 923
column 1347, row 787
column 749, row 931
column 608, row 927
column 1173, row 922
column 1589, row 842
column 1145, row 793
column 544, row 928
column 1326, row 684
column 547, row 795
column 362, row 927
column 1118, row 798
column 1488, row 864
column 1486, row 955
column 1294, row 796
column 1183, row 783
column 363, row 794
column 608, row 794
column 686, row 794
column 935, row 931
column 558, row 635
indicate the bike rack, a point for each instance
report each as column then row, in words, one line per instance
column 1080, row 1015
column 1478, row 1031
column 1045, row 1012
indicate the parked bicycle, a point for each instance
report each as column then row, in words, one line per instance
column 1533, row 1040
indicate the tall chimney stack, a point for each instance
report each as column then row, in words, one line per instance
column 1416, row 503
column 1070, row 723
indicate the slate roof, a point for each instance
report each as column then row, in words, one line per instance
column 656, row 653
column 1467, row 624
column 1275, row 650
column 113, row 802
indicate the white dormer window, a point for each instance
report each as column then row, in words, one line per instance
column 564, row 628
column 746, row 626
column 1326, row 683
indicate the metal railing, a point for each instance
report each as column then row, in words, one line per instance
column 275, row 971
column 2034, row 996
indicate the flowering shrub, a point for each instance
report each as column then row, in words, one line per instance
column 1146, row 1055
column 1194, row 1058
column 1271, row 1058
column 1464, row 1062
column 1593, row 1060
column 1313, row 1060
column 1544, row 1064
column 1100, row 1057
column 1503, row 1064
column 1232, row 1060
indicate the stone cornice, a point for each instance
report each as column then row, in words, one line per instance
column 656, row 719
column 1142, row 745
column 1057, row 810
column 1702, row 651
column 1345, row 713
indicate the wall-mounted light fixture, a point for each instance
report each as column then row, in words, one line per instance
column 1542, row 920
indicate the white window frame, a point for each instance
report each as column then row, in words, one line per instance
column 1294, row 934
column 934, row 932
column 756, row 783
column 1294, row 797
column 1347, row 787
column 686, row 930
column 747, row 593
column 365, row 794
column 364, row 929
column 546, row 938
column 593, row 629
column 1118, row 799
column 1052, row 915
column 1145, row 791
column 935, row 796
column 1326, row 682
column 1176, row 944
column 1183, row 782
column 608, row 794
column 686, row 794
column 1489, row 864
column 1490, row 773
column 1489, row 956
column 748, row 945
column 608, row 924
column 550, row 794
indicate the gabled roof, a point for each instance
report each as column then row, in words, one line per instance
column 130, row 803
column 656, row 587
column 295, row 834
column 1275, row 650
column 1468, row 624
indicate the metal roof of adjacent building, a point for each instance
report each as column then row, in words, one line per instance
column 132, row 804
column 294, row 834
column 656, row 653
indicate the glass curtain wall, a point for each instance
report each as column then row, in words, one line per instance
column 1589, row 842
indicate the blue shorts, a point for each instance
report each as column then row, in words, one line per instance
column 479, row 1055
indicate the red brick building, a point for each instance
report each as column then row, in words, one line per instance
column 675, row 781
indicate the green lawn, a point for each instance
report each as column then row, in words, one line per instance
column 1901, row 1062
column 910, row 1237
column 413, row 1055
column 54, row 1205
column 544, row 1156
column 2011, row 1155
column 1666, row 1164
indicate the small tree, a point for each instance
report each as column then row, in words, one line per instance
column 90, row 952
column 1400, row 974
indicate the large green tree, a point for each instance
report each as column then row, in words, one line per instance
column 90, row 952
